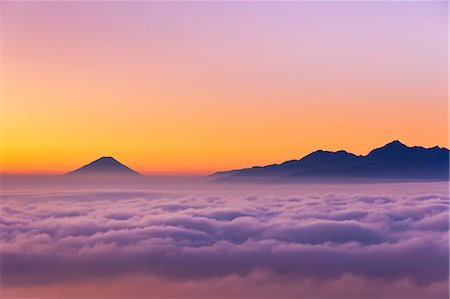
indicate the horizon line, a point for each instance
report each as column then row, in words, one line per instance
column 198, row 173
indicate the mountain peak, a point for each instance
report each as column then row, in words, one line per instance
column 395, row 143
column 106, row 165
column 327, row 155
column 393, row 146
column 106, row 159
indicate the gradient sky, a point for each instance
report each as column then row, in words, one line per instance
column 197, row 87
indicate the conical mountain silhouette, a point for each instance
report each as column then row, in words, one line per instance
column 104, row 166
column 391, row 162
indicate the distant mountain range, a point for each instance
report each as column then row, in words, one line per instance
column 105, row 166
column 392, row 162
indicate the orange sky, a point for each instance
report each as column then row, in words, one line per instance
column 192, row 88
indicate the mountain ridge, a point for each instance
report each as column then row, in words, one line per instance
column 393, row 161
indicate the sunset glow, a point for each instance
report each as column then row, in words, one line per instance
column 224, row 149
column 192, row 88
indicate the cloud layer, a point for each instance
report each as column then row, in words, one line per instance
column 76, row 236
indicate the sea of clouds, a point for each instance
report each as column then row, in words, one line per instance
column 60, row 237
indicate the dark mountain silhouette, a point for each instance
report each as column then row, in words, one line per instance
column 104, row 166
column 392, row 162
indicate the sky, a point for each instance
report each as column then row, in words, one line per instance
column 197, row 87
